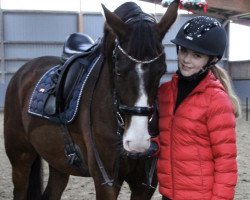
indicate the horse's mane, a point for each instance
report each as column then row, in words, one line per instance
column 144, row 42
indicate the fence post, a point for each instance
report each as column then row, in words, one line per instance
column 247, row 109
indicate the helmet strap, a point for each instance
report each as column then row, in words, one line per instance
column 177, row 49
column 211, row 62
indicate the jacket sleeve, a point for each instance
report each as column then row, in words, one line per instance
column 221, row 126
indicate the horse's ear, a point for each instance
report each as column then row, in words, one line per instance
column 115, row 23
column 168, row 18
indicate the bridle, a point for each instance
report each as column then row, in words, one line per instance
column 134, row 59
column 143, row 17
column 122, row 110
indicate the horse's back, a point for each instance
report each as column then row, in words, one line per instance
column 24, row 80
column 34, row 69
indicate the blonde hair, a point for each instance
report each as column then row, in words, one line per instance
column 223, row 76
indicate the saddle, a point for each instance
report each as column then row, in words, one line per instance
column 79, row 51
column 77, row 43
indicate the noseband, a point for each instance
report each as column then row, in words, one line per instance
column 120, row 109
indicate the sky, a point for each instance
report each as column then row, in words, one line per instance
column 239, row 34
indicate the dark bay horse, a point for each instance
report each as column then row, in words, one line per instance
column 124, row 95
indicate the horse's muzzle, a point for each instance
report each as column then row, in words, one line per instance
column 147, row 154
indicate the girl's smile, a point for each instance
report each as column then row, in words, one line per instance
column 191, row 62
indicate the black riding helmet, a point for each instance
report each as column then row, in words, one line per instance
column 204, row 35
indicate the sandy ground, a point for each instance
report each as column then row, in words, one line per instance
column 83, row 188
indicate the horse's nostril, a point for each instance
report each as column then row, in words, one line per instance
column 127, row 143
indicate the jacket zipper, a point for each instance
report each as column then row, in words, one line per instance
column 171, row 157
column 171, row 147
column 171, row 136
column 171, row 140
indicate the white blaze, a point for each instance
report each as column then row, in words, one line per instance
column 137, row 138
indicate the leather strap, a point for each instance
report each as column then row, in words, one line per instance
column 73, row 152
column 93, row 83
column 144, row 111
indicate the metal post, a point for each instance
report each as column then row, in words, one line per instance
column 80, row 19
column 247, row 109
column 2, row 57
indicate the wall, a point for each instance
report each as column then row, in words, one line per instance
column 240, row 73
column 240, row 70
column 28, row 34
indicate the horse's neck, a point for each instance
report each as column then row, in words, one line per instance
column 108, row 45
column 103, row 91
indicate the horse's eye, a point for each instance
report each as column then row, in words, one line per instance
column 118, row 74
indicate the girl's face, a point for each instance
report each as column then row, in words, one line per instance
column 191, row 62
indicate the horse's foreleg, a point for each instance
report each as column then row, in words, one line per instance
column 56, row 184
column 138, row 187
column 141, row 192
column 107, row 192
column 103, row 191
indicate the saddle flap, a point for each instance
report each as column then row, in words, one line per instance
column 75, row 72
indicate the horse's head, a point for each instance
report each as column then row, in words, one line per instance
column 138, row 63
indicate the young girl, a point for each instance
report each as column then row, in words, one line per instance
column 197, row 110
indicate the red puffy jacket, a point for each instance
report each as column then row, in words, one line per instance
column 197, row 157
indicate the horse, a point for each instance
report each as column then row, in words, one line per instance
column 110, row 134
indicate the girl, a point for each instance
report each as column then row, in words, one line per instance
column 197, row 110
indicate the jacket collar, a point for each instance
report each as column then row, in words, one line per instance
column 209, row 81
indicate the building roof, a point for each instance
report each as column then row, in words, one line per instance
column 236, row 10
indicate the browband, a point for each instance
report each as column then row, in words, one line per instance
column 140, row 17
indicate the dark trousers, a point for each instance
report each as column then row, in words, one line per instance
column 165, row 198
